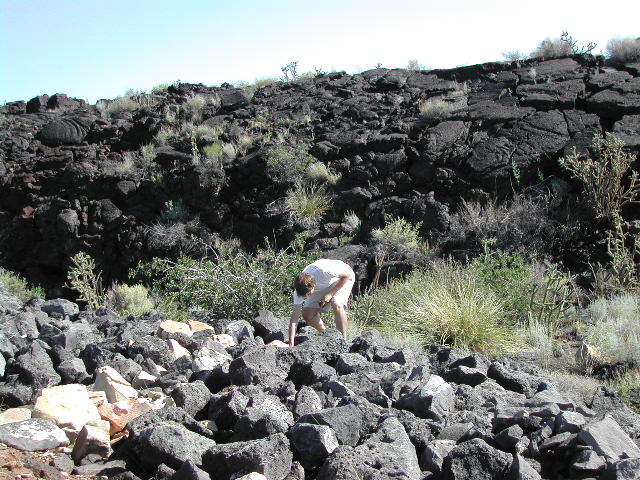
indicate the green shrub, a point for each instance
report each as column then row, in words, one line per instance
column 175, row 212
column 130, row 300
column 288, row 163
column 307, row 204
column 624, row 50
column 447, row 305
column 615, row 328
column 400, row 233
column 84, row 279
column 433, row 109
column 603, row 178
column 509, row 277
column 18, row 286
column 232, row 284
column 213, row 154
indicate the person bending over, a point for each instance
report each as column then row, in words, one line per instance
column 322, row 285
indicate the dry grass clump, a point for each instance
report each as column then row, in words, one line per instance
column 130, row 300
column 446, row 305
column 307, row 204
column 433, row 109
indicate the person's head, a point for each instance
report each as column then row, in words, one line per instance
column 304, row 284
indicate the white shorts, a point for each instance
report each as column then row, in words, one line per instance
column 341, row 297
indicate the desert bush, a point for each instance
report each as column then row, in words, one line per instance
column 129, row 300
column 615, row 327
column 160, row 88
column 318, row 172
column 351, row 221
column 603, row 177
column 173, row 237
column 18, row 286
column 84, row 279
column 433, row 109
column 560, row 47
column 231, row 283
column 401, row 233
column 520, row 225
column 175, row 212
column 307, row 204
column 288, row 163
column 623, row 50
column 446, row 305
column 193, row 107
column 415, row 65
column 208, row 134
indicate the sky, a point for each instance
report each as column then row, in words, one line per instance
column 92, row 49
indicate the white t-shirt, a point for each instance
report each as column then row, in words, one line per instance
column 326, row 272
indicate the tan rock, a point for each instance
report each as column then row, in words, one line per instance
column 98, row 398
column 278, row 344
column 92, row 439
column 177, row 349
column 68, row 406
column 166, row 328
column 196, row 326
column 113, row 385
column 12, row 415
column 225, row 339
column 120, row 413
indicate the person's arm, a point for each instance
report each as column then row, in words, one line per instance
column 293, row 324
column 342, row 280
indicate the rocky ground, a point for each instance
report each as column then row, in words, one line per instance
column 127, row 398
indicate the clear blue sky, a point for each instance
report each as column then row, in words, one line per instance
column 93, row 49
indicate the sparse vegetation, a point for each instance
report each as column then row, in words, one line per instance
column 351, row 221
column 400, row 233
column 19, row 286
column 130, row 102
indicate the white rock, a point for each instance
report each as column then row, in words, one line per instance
column 67, row 406
column 177, row 349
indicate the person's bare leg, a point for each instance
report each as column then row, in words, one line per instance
column 342, row 321
column 312, row 317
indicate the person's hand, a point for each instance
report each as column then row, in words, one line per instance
column 326, row 299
